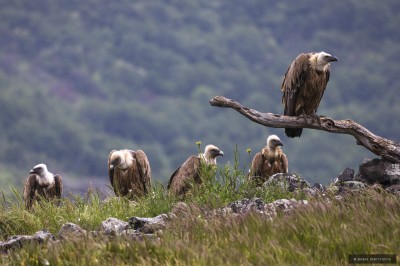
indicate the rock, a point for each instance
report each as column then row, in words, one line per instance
column 246, row 205
column 116, row 227
column 346, row 175
column 349, row 187
column 113, row 226
column 148, row 225
column 258, row 206
column 354, row 185
column 394, row 189
column 21, row 240
column 288, row 182
column 71, row 231
column 181, row 210
column 318, row 186
column 380, row 171
column 288, row 205
column 333, row 189
column 313, row 192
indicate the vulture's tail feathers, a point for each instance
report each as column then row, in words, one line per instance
column 293, row 132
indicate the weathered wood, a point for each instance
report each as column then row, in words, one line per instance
column 386, row 148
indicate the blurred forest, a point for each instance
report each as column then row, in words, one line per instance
column 80, row 78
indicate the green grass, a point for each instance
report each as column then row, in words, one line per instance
column 320, row 234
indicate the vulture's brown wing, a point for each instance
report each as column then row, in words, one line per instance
column 110, row 171
column 327, row 75
column 29, row 190
column 284, row 163
column 293, row 82
column 56, row 191
column 180, row 180
column 172, row 178
column 58, row 186
column 256, row 165
column 144, row 169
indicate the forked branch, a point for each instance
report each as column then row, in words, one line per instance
column 388, row 149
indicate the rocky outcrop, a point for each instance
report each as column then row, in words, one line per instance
column 289, row 182
column 379, row 171
column 258, row 206
column 71, row 231
column 148, row 225
column 378, row 174
column 20, row 240
column 136, row 228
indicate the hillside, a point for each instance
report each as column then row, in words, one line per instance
column 78, row 79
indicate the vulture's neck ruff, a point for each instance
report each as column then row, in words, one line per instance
column 43, row 176
column 123, row 159
column 210, row 154
column 273, row 142
column 320, row 61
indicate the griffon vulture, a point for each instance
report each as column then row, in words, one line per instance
column 303, row 86
column 42, row 184
column 269, row 161
column 189, row 171
column 129, row 172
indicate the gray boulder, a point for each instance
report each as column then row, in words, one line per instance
column 394, row 189
column 346, row 175
column 71, row 231
column 21, row 240
column 258, row 206
column 354, row 185
column 148, row 225
column 113, row 226
column 247, row 205
column 379, row 171
column 288, row 182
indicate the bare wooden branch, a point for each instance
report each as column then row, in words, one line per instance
column 388, row 149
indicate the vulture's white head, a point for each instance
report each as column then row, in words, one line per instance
column 273, row 141
column 39, row 169
column 44, row 177
column 121, row 159
column 211, row 153
column 323, row 59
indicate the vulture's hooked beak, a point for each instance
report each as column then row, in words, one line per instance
column 333, row 58
column 115, row 163
column 34, row 171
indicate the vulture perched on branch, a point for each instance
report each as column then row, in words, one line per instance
column 271, row 160
column 129, row 172
column 189, row 172
column 303, row 86
column 41, row 184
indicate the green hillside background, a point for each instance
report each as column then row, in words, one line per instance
column 80, row 78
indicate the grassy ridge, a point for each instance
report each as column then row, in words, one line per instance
column 321, row 234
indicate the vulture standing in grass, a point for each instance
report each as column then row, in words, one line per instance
column 129, row 172
column 41, row 184
column 189, row 172
column 303, row 86
column 271, row 160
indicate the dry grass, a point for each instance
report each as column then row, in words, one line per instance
column 320, row 234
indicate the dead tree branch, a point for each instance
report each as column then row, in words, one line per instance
column 386, row 148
